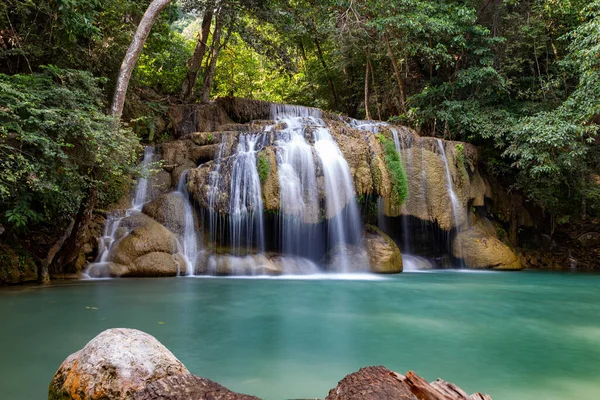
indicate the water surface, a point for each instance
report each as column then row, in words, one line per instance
column 512, row 335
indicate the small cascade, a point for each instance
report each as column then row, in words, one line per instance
column 141, row 187
column 245, row 200
column 113, row 220
column 449, row 186
column 345, row 228
column 190, row 237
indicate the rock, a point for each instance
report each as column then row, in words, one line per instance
column 384, row 254
column 129, row 364
column 190, row 118
column 226, row 265
column 16, row 265
column 143, row 240
column 168, row 210
column 379, row 383
column 357, row 256
column 156, row 264
column 159, row 183
column 589, row 239
column 149, row 249
column 480, row 248
column 371, row 383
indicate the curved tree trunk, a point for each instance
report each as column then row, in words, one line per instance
column 133, row 53
column 195, row 63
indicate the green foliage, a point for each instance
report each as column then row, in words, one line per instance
column 395, row 169
column 264, row 167
column 55, row 142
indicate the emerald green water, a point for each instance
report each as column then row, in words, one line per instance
column 512, row 335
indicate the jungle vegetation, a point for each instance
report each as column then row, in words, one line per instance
column 519, row 78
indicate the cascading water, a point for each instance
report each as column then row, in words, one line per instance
column 449, row 186
column 345, row 227
column 190, row 237
column 298, row 184
column 245, row 200
column 113, row 220
column 141, row 188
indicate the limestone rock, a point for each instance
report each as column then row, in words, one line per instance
column 143, row 240
column 189, row 118
column 230, row 265
column 384, row 254
column 168, row 210
column 129, row 364
column 149, row 249
column 480, row 248
column 159, row 183
column 371, row 383
column 589, row 239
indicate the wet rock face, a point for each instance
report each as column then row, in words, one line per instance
column 167, row 210
column 129, row 364
column 384, row 254
column 480, row 248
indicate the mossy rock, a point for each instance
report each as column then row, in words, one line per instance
column 384, row 254
column 16, row 265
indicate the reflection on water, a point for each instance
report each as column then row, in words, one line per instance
column 513, row 335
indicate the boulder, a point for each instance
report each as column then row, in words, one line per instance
column 167, row 209
column 589, row 239
column 384, row 254
column 129, row 364
column 149, row 249
column 480, row 248
column 159, row 183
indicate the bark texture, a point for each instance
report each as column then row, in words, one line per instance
column 195, row 63
column 133, row 53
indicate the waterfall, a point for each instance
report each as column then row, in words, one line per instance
column 214, row 191
column 298, row 190
column 245, row 199
column 113, row 220
column 449, row 186
column 141, row 188
column 344, row 228
column 190, row 238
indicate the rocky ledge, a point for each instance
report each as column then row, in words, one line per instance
column 130, row 364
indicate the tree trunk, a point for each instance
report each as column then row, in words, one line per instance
column 195, row 63
column 43, row 274
column 210, row 71
column 367, row 113
column 400, row 81
column 133, row 53
column 329, row 80
column 74, row 242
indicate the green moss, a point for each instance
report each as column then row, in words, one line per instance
column 395, row 169
column 210, row 138
column 264, row 167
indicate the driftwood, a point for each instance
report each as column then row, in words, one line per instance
column 374, row 383
column 437, row 390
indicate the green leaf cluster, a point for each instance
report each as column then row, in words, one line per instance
column 55, row 142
